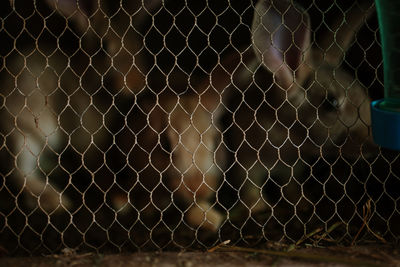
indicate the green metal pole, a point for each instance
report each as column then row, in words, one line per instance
column 385, row 113
column 389, row 21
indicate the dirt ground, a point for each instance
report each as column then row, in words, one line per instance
column 374, row 255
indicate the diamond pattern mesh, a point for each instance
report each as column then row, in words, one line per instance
column 131, row 125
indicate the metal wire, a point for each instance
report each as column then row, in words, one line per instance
column 130, row 125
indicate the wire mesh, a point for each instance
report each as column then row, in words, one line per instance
column 131, row 125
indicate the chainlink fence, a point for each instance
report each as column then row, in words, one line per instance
column 142, row 125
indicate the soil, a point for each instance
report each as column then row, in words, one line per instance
column 371, row 255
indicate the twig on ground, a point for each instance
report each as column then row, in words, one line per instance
column 224, row 243
column 366, row 215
